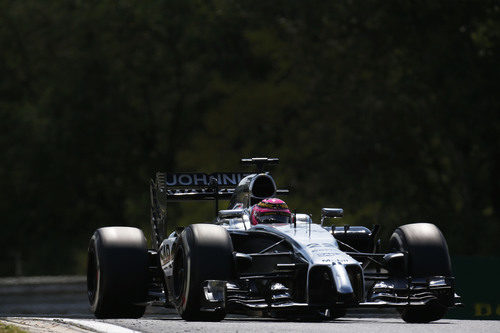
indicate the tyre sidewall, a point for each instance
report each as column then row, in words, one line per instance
column 202, row 261
column 95, row 301
column 427, row 253
column 427, row 256
column 122, row 273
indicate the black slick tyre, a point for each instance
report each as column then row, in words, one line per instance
column 202, row 252
column 336, row 313
column 427, row 256
column 117, row 272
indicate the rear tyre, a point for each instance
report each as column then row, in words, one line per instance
column 427, row 256
column 202, row 252
column 117, row 272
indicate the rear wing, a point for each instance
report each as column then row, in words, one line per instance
column 197, row 186
column 174, row 187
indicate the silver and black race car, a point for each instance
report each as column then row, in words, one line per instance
column 295, row 270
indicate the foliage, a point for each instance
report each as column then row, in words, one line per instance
column 388, row 109
column 10, row 329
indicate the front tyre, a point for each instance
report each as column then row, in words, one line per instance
column 336, row 313
column 117, row 272
column 427, row 256
column 202, row 252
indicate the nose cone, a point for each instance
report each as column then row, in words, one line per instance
column 341, row 279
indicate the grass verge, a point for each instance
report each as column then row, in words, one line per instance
column 4, row 328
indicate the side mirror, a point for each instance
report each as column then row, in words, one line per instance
column 332, row 212
column 231, row 213
column 303, row 218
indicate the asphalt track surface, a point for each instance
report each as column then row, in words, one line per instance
column 61, row 305
column 386, row 325
column 172, row 323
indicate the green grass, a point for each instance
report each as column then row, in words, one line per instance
column 10, row 329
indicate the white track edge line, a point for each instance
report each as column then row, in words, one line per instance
column 97, row 326
column 91, row 325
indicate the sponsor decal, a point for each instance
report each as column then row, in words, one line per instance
column 321, row 250
column 486, row 310
column 274, row 212
column 196, row 191
column 271, row 205
column 203, row 179
column 310, row 245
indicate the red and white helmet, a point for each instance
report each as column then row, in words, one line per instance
column 271, row 210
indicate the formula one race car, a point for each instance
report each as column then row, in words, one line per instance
column 276, row 264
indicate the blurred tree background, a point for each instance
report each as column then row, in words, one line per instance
column 389, row 109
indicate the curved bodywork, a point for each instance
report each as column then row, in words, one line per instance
column 295, row 258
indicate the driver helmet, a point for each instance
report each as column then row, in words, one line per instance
column 271, row 210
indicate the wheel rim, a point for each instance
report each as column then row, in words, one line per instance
column 92, row 276
column 179, row 272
